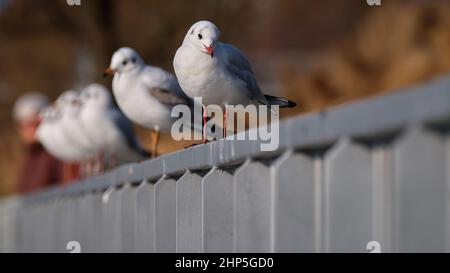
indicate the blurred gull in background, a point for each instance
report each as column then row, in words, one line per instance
column 145, row 93
column 69, row 105
column 53, row 137
column 27, row 106
column 111, row 131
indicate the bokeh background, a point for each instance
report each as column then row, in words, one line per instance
column 319, row 53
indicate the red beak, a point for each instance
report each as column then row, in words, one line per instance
column 210, row 50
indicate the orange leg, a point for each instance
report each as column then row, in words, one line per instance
column 154, row 139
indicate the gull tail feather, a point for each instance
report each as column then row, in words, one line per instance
column 272, row 100
column 283, row 103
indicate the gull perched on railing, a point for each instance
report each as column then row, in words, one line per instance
column 219, row 73
column 69, row 105
column 53, row 137
column 110, row 130
column 145, row 94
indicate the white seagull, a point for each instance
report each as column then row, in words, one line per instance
column 52, row 136
column 111, row 131
column 145, row 94
column 69, row 105
column 217, row 72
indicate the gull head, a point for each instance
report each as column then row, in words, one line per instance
column 49, row 114
column 96, row 95
column 203, row 36
column 123, row 60
column 69, row 99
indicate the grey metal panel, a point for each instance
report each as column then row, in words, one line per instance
column 10, row 226
column 27, row 234
column 420, row 192
column 5, row 237
column 47, row 227
column 84, row 220
column 58, row 244
column 111, row 221
column 44, row 228
column 30, row 241
column 297, row 208
column 383, row 200
column 78, row 204
column 38, row 220
column 51, row 218
column 189, row 232
column 94, row 236
column 14, row 226
column 2, row 228
column 4, row 214
column 37, row 233
column 15, row 239
column 19, row 231
column 253, row 203
column 55, row 225
column 165, row 215
column 67, row 219
column 348, row 178
column 128, row 218
column 447, row 141
column 25, row 238
column 43, row 223
column 7, row 215
column 218, row 219
column 24, row 216
column 145, row 221
column 72, row 233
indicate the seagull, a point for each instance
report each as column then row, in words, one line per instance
column 217, row 72
column 51, row 135
column 110, row 130
column 70, row 106
column 145, row 94
column 45, row 129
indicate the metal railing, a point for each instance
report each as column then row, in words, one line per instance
column 376, row 170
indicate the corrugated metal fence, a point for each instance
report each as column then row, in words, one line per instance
column 377, row 170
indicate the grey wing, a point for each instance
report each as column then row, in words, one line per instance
column 164, row 87
column 167, row 97
column 238, row 65
column 125, row 126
